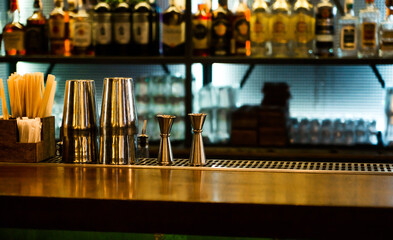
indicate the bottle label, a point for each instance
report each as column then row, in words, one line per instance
column 173, row 35
column 324, row 29
column 348, row 37
column 241, row 30
column 13, row 40
column 387, row 40
column 34, row 37
column 103, row 29
column 57, row 28
column 200, row 33
column 279, row 31
column 259, row 24
column 220, row 28
column 122, row 28
column 140, row 28
column 369, row 34
column 82, row 34
column 104, row 33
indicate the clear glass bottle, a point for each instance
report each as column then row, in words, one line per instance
column 103, row 28
column 82, row 40
column 369, row 24
column 240, row 42
column 303, row 28
column 386, row 32
column 59, row 41
column 325, row 13
column 348, row 32
column 280, row 28
column 14, row 32
column 36, row 37
column 259, row 29
column 201, row 27
column 173, row 30
column 221, row 30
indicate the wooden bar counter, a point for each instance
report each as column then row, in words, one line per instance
column 196, row 202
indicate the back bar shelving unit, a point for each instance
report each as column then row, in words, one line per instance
column 188, row 60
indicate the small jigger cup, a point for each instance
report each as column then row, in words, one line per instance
column 197, row 155
column 165, row 156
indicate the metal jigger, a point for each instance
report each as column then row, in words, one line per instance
column 197, row 155
column 165, row 156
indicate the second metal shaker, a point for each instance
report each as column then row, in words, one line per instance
column 118, row 122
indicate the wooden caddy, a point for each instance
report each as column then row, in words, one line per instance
column 13, row 151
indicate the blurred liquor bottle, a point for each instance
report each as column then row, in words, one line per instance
column 36, row 36
column 156, row 26
column 71, row 12
column 82, row 41
column 14, row 32
column 369, row 25
column 259, row 29
column 59, row 41
column 240, row 43
column 122, row 28
column 221, row 29
column 303, row 28
column 103, row 28
column 386, row 32
column 142, row 29
column 280, row 28
column 348, row 32
column 201, row 30
column 324, row 29
column 173, row 30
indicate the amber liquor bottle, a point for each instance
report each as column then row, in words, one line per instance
column 13, row 32
column 221, row 30
column 173, row 31
column 240, row 43
column 36, row 36
column 59, row 41
column 142, row 29
column 201, row 27
column 122, row 28
column 103, row 28
column 82, row 41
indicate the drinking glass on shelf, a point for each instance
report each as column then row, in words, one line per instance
column 360, row 132
column 372, row 132
column 293, row 131
column 349, row 132
column 338, row 132
column 177, row 87
column 142, row 86
column 223, row 124
column 207, row 97
column 315, row 127
column 209, row 128
column 304, row 130
column 227, row 97
column 326, row 132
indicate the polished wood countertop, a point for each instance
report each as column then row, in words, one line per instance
column 202, row 202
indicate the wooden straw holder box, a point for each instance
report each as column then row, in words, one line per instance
column 13, row 151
